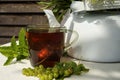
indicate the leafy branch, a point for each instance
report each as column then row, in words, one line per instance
column 59, row 7
column 15, row 51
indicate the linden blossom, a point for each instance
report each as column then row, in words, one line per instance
column 58, row 72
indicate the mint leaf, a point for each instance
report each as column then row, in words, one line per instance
column 21, row 37
column 7, row 51
column 23, row 48
column 23, row 52
column 14, row 51
column 8, row 61
column 13, row 43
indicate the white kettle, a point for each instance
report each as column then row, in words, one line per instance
column 99, row 36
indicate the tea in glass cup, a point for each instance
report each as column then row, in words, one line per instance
column 46, row 45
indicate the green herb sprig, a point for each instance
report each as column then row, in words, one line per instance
column 59, row 7
column 16, row 51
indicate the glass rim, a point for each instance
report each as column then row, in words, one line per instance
column 44, row 27
column 49, row 29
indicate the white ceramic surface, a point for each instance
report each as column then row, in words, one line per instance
column 99, row 36
column 101, row 4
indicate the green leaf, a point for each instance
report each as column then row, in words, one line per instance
column 23, row 52
column 5, row 50
column 8, row 61
column 21, row 57
column 13, row 43
column 21, row 37
column 23, row 48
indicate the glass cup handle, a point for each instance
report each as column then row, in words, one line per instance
column 69, row 44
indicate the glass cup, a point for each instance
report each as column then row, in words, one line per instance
column 46, row 45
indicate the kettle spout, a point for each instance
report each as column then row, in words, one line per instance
column 51, row 18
